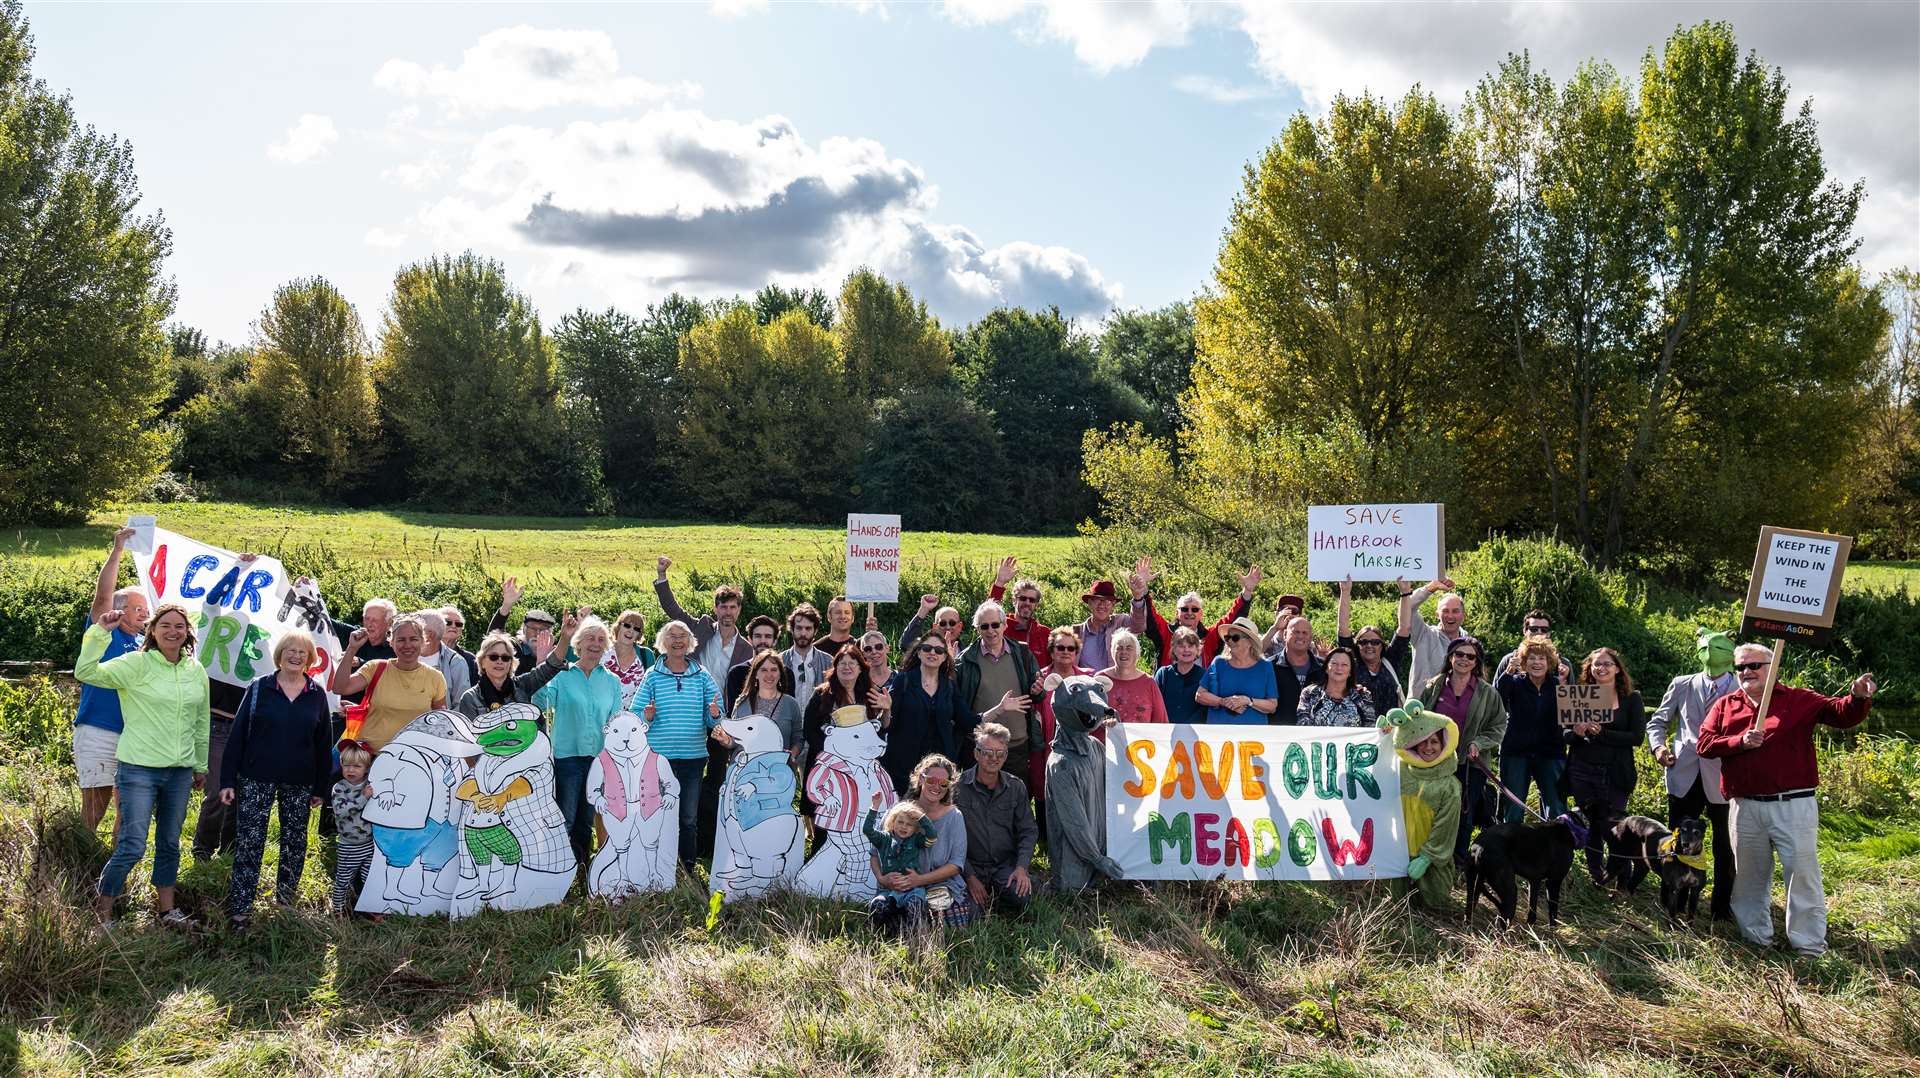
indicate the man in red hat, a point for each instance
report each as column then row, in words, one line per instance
column 1098, row 629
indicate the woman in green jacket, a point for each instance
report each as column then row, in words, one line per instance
column 1461, row 694
column 162, row 751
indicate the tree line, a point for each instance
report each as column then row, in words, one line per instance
column 1625, row 311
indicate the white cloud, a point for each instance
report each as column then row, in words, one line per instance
column 523, row 69
column 310, row 137
column 676, row 199
column 380, row 237
column 415, row 174
column 1104, row 36
column 1222, row 92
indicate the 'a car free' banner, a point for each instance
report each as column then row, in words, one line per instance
column 239, row 609
column 1253, row 803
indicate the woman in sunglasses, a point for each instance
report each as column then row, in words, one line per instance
column 1374, row 672
column 849, row 681
column 1063, row 654
column 1239, row 685
column 498, row 684
column 1461, row 694
column 927, row 715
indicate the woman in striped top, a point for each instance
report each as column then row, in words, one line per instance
column 681, row 706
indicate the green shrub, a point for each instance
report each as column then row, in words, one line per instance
column 36, row 718
column 1874, row 776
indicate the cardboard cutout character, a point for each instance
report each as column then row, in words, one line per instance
column 513, row 835
column 760, row 840
column 842, row 783
column 633, row 789
column 410, row 811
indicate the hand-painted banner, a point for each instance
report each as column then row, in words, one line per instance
column 239, row 610
column 873, row 557
column 1253, row 803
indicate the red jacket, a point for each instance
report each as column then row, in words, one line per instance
column 1031, row 633
column 1162, row 634
column 1785, row 759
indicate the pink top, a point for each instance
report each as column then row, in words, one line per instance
column 1137, row 700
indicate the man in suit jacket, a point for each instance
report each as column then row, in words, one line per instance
column 718, row 643
column 1693, row 782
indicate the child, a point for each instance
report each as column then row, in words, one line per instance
column 897, row 848
column 354, row 853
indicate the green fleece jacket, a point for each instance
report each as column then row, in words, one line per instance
column 164, row 704
column 1486, row 721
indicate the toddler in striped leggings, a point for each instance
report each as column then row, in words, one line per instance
column 354, row 852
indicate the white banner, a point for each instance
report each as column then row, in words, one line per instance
column 1376, row 542
column 1254, row 803
column 239, row 610
column 873, row 557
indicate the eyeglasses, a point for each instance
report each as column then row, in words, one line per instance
column 1467, row 655
column 1539, row 630
column 1234, row 638
column 1066, row 648
column 932, row 649
column 1761, row 665
column 989, row 754
column 990, row 625
column 948, row 624
column 455, row 624
column 1026, row 598
column 1369, row 643
column 1189, row 610
column 496, row 657
column 873, row 648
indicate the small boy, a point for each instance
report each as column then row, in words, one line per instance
column 897, row 848
column 353, row 854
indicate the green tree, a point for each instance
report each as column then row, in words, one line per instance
column 1749, row 248
column 1888, row 516
column 311, row 364
column 1152, row 353
column 83, row 350
column 1039, row 381
column 772, row 301
column 962, row 486
column 771, row 425
column 890, row 343
column 468, row 396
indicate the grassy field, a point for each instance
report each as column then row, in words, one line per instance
column 1884, row 575
column 521, row 545
column 1210, row 979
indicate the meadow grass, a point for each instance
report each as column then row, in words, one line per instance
column 522, row 545
column 1165, row 978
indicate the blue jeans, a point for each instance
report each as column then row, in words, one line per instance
column 570, row 790
column 148, row 796
column 1543, row 771
column 690, row 773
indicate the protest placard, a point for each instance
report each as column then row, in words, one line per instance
column 1795, row 587
column 1585, row 703
column 239, row 610
column 873, row 557
column 1253, row 803
column 1376, row 542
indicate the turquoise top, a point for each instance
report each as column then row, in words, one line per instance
column 582, row 702
column 680, row 701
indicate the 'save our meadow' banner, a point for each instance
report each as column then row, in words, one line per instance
column 1376, row 542
column 1253, row 803
column 240, row 610
column 873, row 557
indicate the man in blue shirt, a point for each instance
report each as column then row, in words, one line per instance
column 96, row 725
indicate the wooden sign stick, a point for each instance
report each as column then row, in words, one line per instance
column 1766, row 694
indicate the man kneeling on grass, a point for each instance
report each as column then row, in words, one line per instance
column 1001, row 831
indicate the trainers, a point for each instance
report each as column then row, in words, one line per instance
column 176, row 919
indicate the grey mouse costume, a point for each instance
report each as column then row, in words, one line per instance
column 1077, row 784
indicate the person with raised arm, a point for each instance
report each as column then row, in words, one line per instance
column 1023, row 626
column 97, row 721
column 1188, row 614
column 403, row 687
column 718, row 643
column 1427, row 643
column 998, row 681
column 1096, row 633
column 1374, row 672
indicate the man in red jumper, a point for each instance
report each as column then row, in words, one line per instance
column 1022, row 626
column 1188, row 613
column 1768, row 774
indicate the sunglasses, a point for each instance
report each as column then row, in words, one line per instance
column 1467, row 655
column 1235, row 638
column 873, row 648
column 1189, row 610
column 989, row 754
column 1026, row 598
column 1539, row 630
column 990, row 625
column 948, row 624
column 1369, row 643
column 932, row 649
column 1762, row 665
column 1067, row 648
column 496, row 657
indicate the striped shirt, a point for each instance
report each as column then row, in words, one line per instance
column 680, row 720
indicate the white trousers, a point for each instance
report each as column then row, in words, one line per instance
column 1791, row 829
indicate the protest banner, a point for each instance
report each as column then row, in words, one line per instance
column 1585, row 703
column 1376, row 542
column 1253, row 803
column 1795, row 587
column 873, row 557
column 239, row 610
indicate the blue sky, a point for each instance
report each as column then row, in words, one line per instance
column 983, row 151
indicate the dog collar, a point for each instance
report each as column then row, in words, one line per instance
column 1579, row 833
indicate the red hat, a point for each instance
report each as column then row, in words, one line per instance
column 1102, row 589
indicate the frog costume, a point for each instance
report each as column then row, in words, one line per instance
column 1429, row 796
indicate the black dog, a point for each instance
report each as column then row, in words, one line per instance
column 1506, row 853
column 1637, row 845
